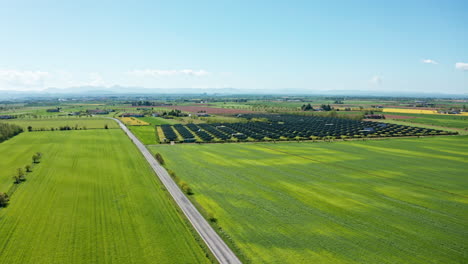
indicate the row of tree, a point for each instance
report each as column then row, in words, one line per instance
column 61, row 128
column 308, row 107
column 19, row 177
column 183, row 185
column 174, row 112
column 326, row 107
column 8, row 131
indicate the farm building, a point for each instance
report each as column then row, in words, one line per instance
column 53, row 110
column 7, row 117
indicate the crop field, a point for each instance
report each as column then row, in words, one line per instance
column 49, row 123
column 132, row 121
column 146, row 134
column 156, row 121
column 92, row 199
column 453, row 121
column 64, row 110
column 374, row 201
column 416, row 111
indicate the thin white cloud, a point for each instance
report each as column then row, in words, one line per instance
column 376, row 80
column 158, row 73
column 96, row 79
column 429, row 61
column 15, row 78
column 461, row 66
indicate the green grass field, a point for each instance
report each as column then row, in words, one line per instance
column 146, row 134
column 48, row 123
column 92, row 199
column 452, row 121
column 376, row 201
column 157, row 121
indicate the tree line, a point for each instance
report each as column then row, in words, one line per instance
column 323, row 107
column 19, row 177
column 183, row 185
column 8, row 131
column 61, row 128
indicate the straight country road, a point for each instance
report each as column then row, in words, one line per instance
column 220, row 250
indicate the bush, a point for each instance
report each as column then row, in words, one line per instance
column 159, row 158
column 4, row 199
column 37, row 157
column 185, row 188
column 212, row 218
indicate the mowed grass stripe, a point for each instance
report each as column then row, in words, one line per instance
column 366, row 172
column 280, row 208
column 93, row 199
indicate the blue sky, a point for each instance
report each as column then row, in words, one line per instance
column 266, row 45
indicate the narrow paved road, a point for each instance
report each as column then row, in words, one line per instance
column 221, row 251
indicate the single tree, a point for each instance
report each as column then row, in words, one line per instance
column 21, row 175
column 28, row 168
column 4, row 199
column 37, row 157
column 29, row 128
column 186, row 188
column 17, row 179
column 212, row 218
column 159, row 158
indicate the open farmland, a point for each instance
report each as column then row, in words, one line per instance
column 452, row 121
column 147, row 134
column 56, row 123
column 92, row 199
column 386, row 201
column 132, row 121
column 427, row 111
column 155, row 121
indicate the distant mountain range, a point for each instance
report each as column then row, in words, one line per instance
column 121, row 90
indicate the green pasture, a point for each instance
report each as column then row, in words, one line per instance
column 56, row 122
column 146, row 134
column 451, row 121
column 157, row 121
column 374, row 201
column 92, row 199
column 41, row 111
